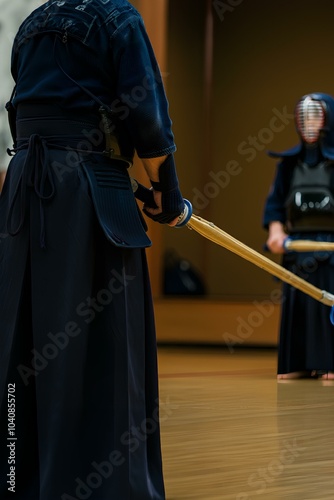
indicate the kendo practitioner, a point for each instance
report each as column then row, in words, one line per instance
column 301, row 205
column 78, row 363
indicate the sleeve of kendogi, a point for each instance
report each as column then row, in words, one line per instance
column 140, row 90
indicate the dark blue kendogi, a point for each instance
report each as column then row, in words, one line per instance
column 77, row 339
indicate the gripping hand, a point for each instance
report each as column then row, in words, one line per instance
column 167, row 195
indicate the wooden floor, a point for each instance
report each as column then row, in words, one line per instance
column 231, row 431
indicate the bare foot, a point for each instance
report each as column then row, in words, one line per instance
column 292, row 375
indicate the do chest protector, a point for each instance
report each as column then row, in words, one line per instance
column 310, row 202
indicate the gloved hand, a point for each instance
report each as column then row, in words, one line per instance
column 167, row 195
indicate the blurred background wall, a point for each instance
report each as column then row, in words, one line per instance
column 265, row 55
column 234, row 70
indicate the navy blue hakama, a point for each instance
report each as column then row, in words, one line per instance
column 78, row 345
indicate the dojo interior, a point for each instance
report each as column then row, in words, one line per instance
column 234, row 71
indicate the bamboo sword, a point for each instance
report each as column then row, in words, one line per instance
column 220, row 237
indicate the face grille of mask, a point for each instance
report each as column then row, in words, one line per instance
column 310, row 119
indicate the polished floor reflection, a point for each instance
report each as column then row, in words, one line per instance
column 231, row 431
